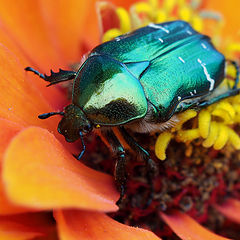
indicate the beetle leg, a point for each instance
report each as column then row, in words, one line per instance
column 235, row 64
column 120, row 167
column 206, row 103
column 55, row 77
column 183, row 106
column 151, row 166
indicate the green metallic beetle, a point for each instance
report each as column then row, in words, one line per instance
column 139, row 81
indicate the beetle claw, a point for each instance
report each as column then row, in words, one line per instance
column 54, row 77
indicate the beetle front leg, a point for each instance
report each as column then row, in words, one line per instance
column 120, row 167
column 151, row 166
column 55, row 77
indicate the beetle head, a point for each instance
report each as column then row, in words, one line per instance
column 74, row 123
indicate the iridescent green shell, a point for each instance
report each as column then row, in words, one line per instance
column 160, row 64
column 108, row 93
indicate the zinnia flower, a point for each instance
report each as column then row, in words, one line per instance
column 45, row 193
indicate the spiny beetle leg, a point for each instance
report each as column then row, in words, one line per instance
column 229, row 93
column 120, row 167
column 235, row 64
column 120, row 175
column 151, row 165
column 54, row 77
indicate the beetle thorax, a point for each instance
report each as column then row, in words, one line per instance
column 73, row 122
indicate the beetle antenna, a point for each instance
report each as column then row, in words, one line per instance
column 47, row 115
column 84, row 147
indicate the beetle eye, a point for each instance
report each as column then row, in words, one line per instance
column 87, row 128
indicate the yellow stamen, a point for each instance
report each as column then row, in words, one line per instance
column 169, row 5
column 125, row 23
column 234, row 47
column 161, row 16
column 227, row 83
column 222, row 137
column 182, row 3
column 236, row 107
column 187, row 135
column 204, row 121
column 184, row 117
column 143, row 7
column 231, row 71
column 227, row 107
column 110, row 34
column 234, row 139
column 161, row 145
column 185, row 13
column 213, row 134
column 197, row 23
column 223, row 114
column 153, row 3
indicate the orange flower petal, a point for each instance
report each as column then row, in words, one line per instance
column 230, row 209
column 7, row 207
column 10, row 44
column 76, row 225
column 230, row 12
column 23, row 22
column 20, row 101
column 8, row 131
column 124, row 4
column 38, row 172
column 65, row 22
column 187, row 228
column 25, row 226
column 51, row 94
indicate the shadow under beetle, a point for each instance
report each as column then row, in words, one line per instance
column 138, row 81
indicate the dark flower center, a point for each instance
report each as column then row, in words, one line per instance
column 190, row 184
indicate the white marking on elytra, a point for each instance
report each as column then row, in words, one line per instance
column 181, row 59
column 189, row 32
column 204, row 46
column 160, row 40
column 191, row 94
column 225, row 69
column 179, row 98
column 212, row 81
column 158, row 27
column 194, row 91
column 117, row 39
